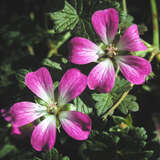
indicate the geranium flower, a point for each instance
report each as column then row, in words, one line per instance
column 54, row 110
column 102, row 76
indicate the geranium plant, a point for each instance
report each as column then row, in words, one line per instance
column 103, row 57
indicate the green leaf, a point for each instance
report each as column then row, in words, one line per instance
column 64, row 60
column 8, row 148
column 65, row 19
column 126, row 20
column 20, row 75
column 81, row 29
column 49, row 63
column 55, row 85
column 66, row 158
column 129, row 120
column 121, row 85
column 129, row 104
column 118, row 119
column 103, row 102
column 81, row 106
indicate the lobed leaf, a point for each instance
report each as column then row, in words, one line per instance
column 65, row 19
column 81, row 106
column 129, row 104
column 103, row 102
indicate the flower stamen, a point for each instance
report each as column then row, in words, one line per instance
column 111, row 51
column 53, row 109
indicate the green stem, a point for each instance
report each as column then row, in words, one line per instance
column 117, row 103
column 30, row 50
column 50, row 154
column 117, row 71
column 147, row 44
column 51, row 31
column 124, row 6
column 54, row 48
column 155, row 23
column 65, row 38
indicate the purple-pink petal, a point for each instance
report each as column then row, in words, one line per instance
column 26, row 112
column 130, row 41
column 6, row 115
column 44, row 134
column 105, row 23
column 9, row 118
column 71, row 85
column 40, row 83
column 15, row 130
column 135, row 69
column 83, row 51
column 76, row 124
column 102, row 76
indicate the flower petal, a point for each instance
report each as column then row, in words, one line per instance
column 102, row 76
column 76, row 124
column 44, row 134
column 105, row 23
column 135, row 69
column 130, row 41
column 83, row 51
column 26, row 112
column 40, row 83
column 71, row 85
column 8, row 117
column 15, row 130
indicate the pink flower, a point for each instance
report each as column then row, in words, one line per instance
column 102, row 76
column 8, row 117
column 54, row 110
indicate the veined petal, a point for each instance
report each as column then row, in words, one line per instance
column 135, row 69
column 44, row 134
column 130, row 41
column 26, row 112
column 71, row 85
column 105, row 23
column 40, row 83
column 76, row 124
column 102, row 76
column 83, row 51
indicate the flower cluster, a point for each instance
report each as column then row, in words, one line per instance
column 54, row 111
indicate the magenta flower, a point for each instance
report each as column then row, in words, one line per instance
column 54, row 110
column 8, row 117
column 102, row 76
